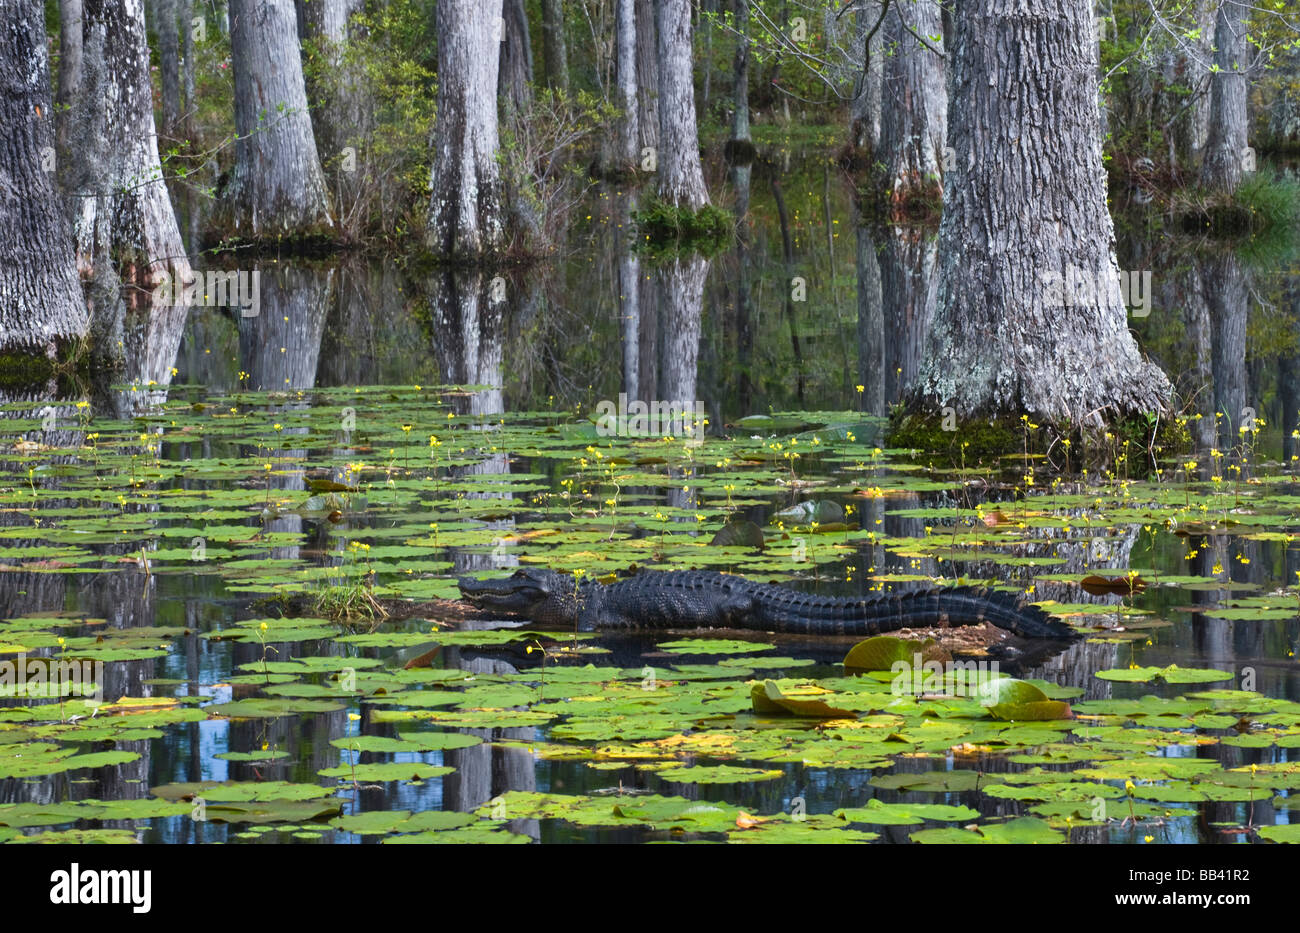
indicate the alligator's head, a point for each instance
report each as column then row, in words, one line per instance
column 544, row 596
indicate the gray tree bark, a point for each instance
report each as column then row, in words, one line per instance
column 865, row 108
column 70, row 29
column 125, row 229
column 1025, row 208
column 277, row 187
column 740, row 74
column 187, row 63
column 629, row 294
column 647, row 74
column 555, row 60
column 465, row 207
column 1185, row 66
column 629, row 145
column 169, row 65
column 681, row 177
column 40, row 298
column 340, row 111
column 1225, row 149
column 515, row 71
column 914, row 113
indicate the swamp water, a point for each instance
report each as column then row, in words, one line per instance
column 374, row 434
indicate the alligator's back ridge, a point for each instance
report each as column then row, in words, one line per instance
column 707, row 599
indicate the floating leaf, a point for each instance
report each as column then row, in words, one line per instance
column 883, row 652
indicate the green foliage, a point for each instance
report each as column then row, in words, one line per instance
column 665, row 227
column 388, row 65
column 544, row 156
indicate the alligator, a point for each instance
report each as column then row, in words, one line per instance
column 707, row 599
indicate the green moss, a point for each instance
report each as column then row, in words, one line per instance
column 973, row 441
column 1136, row 439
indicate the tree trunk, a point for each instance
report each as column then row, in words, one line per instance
column 340, row 112
column 913, row 120
column 647, row 74
column 125, row 229
column 865, row 108
column 465, row 207
column 169, row 67
column 1190, row 119
column 278, row 187
column 1024, row 214
column 1284, row 112
column 515, row 73
column 681, row 177
column 40, row 298
column 629, row 146
column 1225, row 151
column 187, row 64
column 70, row 28
column 554, row 59
column 629, row 293
column 740, row 74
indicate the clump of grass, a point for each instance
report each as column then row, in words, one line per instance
column 351, row 603
column 1271, row 200
column 350, row 597
column 1262, row 214
column 665, row 226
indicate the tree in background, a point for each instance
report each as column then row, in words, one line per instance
column 681, row 177
column 277, row 187
column 465, row 209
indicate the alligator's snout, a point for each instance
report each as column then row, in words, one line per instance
column 475, row 590
column 514, row 594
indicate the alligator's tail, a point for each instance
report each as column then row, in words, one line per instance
column 964, row 605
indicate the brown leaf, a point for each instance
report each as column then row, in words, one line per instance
column 1111, row 586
